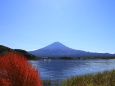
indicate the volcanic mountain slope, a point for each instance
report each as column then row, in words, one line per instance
column 59, row 50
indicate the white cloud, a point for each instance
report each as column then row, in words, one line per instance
column 34, row 49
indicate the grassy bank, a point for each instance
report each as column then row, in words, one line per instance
column 48, row 82
column 106, row 78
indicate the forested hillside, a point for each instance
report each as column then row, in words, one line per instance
column 4, row 50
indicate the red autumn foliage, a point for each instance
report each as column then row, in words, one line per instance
column 16, row 71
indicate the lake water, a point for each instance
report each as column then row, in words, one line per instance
column 61, row 69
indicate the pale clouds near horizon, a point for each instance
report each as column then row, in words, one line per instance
column 33, row 50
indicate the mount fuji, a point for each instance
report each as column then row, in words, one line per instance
column 58, row 49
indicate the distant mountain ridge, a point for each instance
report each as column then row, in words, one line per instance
column 58, row 49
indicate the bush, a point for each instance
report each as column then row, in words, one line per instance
column 16, row 71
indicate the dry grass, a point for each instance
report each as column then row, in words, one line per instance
column 106, row 78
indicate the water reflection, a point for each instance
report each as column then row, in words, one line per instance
column 61, row 69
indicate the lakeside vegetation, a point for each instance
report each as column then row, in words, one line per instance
column 106, row 78
column 16, row 71
column 85, row 58
column 78, row 58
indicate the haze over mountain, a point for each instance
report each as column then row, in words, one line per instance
column 57, row 49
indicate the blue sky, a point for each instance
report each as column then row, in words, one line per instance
column 80, row 24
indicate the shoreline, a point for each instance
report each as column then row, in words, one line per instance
column 91, row 79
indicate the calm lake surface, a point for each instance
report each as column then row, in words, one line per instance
column 61, row 69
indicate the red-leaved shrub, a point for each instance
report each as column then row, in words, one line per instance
column 16, row 71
